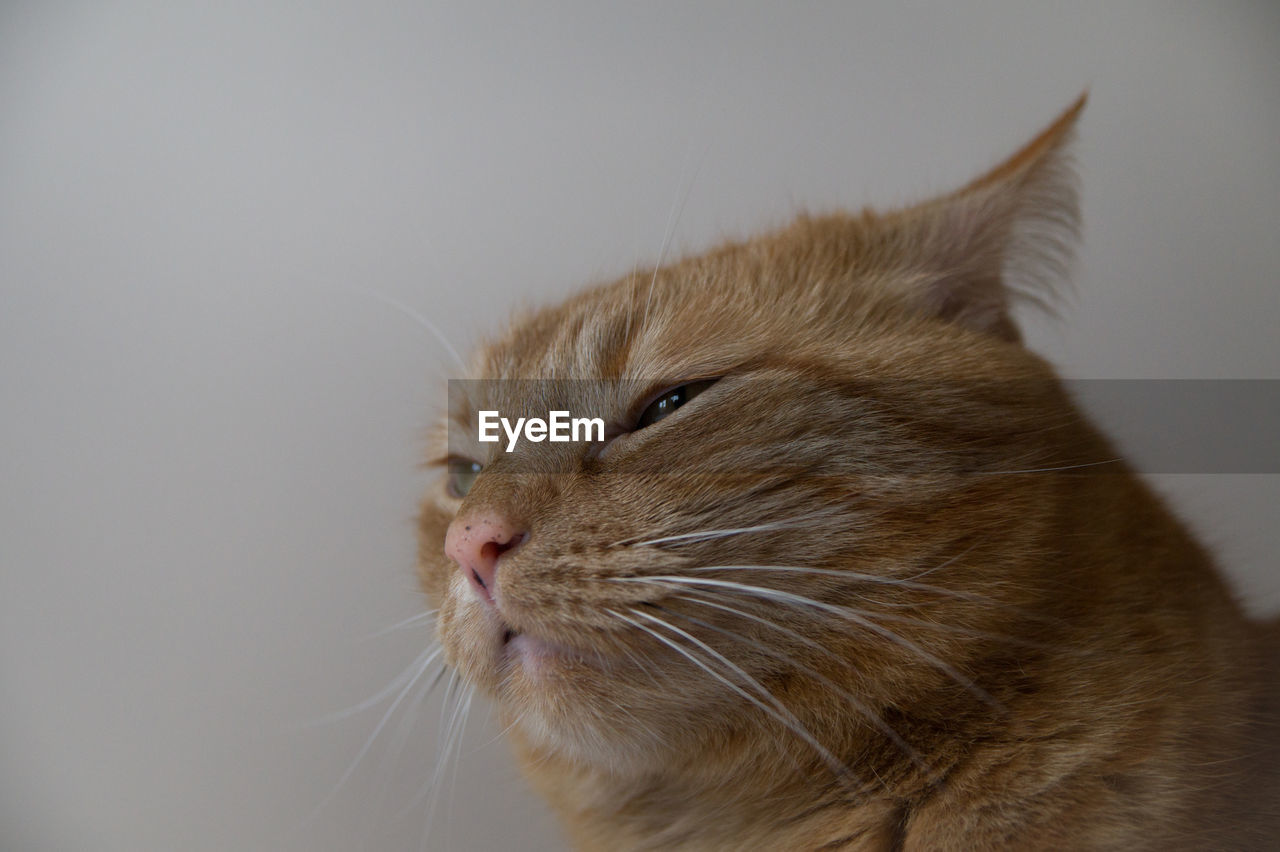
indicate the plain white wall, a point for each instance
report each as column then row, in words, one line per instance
column 210, row 430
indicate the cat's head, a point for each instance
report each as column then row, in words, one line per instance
column 805, row 500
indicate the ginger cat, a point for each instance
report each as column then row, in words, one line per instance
column 849, row 569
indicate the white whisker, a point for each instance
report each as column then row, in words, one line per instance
column 870, row 715
column 390, row 761
column 416, row 317
column 339, row 715
column 411, row 621
column 457, row 750
column 673, row 222
column 706, row 535
column 422, row 791
column 506, row 730
column 377, row 730
column 851, row 575
column 1046, row 469
column 778, row 712
column 950, row 561
column 950, row 628
column 635, row 658
column 443, row 748
column 855, row 616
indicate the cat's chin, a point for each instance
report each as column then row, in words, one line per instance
column 565, row 701
column 541, row 660
column 564, row 725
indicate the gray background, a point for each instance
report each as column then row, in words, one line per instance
column 210, row 426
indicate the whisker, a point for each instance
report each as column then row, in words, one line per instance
column 853, row 575
column 457, row 752
column 870, row 715
column 957, row 630
column 706, row 535
column 857, row 617
column 1046, row 469
column 506, row 730
column 411, row 621
column 950, row 561
column 380, row 696
column 435, row 681
column 780, row 714
column 905, row 584
column 413, row 315
column 369, row 742
column 673, row 222
column 452, row 699
column 635, row 658
column 388, row 765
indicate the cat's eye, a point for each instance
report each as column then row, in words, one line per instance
column 670, row 400
column 462, row 475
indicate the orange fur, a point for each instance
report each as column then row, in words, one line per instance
column 1014, row 643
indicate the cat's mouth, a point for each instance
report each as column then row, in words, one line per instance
column 530, row 648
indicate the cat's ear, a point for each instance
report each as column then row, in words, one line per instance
column 1008, row 234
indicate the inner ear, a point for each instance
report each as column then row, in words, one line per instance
column 1008, row 233
column 980, row 304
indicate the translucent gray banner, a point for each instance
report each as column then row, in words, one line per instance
column 1180, row 426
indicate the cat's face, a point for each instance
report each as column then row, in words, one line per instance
column 810, row 440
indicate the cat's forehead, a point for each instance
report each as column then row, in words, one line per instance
column 693, row 318
column 611, row 333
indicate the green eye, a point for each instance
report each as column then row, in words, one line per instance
column 670, row 400
column 462, row 475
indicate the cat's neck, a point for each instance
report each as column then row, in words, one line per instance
column 707, row 805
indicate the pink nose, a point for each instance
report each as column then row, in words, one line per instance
column 476, row 541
